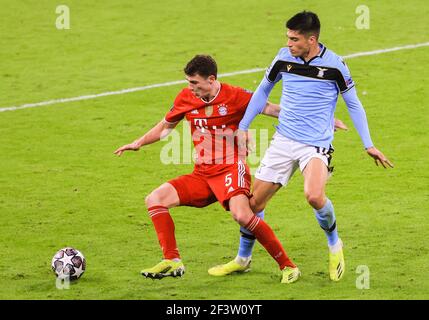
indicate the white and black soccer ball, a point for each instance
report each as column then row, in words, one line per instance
column 68, row 263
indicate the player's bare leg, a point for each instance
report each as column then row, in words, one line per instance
column 262, row 192
column 242, row 213
column 315, row 178
column 158, row 202
column 165, row 195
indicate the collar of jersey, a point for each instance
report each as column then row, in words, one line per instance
column 320, row 55
column 214, row 98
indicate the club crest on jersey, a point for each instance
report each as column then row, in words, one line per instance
column 321, row 73
column 222, row 109
column 209, row 111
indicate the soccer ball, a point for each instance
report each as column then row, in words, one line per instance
column 68, row 263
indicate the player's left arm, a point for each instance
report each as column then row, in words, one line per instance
column 358, row 116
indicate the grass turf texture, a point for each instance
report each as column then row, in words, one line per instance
column 60, row 184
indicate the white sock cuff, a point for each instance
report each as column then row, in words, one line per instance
column 336, row 247
column 242, row 261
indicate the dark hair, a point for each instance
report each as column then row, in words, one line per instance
column 202, row 65
column 305, row 22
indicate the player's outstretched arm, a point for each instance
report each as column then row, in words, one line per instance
column 357, row 113
column 161, row 130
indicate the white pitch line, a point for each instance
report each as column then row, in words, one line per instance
column 172, row 83
column 370, row 53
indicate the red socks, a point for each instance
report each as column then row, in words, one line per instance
column 265, row 235
column 164, row 227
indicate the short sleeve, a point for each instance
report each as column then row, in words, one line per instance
column 177, row 111
column 243, row 97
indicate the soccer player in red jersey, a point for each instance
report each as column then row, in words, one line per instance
column 214, row 111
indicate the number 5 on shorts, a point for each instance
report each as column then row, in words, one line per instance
column 228, row 180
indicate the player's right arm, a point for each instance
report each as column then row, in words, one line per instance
column 260, row 97
column 257, row 104
column 161, row 130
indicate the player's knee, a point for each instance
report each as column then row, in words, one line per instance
column 240, row 210
column 149, row 200
column 239, row 214
column 315, row 199
column 241, row 218
column 154, row 199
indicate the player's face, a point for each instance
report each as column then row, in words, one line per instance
column 200, row 86
column 299, row 44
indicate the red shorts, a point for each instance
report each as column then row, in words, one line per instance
column 201, row 188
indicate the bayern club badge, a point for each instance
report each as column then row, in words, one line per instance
column 222, row 109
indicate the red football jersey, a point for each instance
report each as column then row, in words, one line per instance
column 214, row 123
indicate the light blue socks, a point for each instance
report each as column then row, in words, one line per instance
column 247, row 240
column 326, row 218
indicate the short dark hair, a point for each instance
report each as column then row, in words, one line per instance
column 305, row 22
column 204, row 65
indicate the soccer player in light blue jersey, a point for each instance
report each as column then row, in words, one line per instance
column 312, row 79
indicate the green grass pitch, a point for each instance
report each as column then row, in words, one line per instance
column 61, row 185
